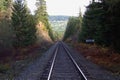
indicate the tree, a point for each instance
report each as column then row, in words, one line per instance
column 101, row 22
column 92, row 23
column 42, row 15
column 23, row 25
column 3, row 5
column 112, row 22
column 72, row 28
column 5, row 24
column 5, row 8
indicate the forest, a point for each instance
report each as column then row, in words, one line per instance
column 18, row 24
column 100, row 22
column 100, row 25
column 25, row 36
column 21, row 33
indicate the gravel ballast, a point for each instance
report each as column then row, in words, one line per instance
column 35, row 69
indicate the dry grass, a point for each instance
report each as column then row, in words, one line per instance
column 103, row 56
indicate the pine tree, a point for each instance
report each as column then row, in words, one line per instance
column 101, row 22
column 73, row 28
column 92, row 23
column 3, row 4
column 42, row 15
column 5, row 8
column 5, row 23
column 112, row 22
column 23, row 25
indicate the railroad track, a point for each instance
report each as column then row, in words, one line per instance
column 62, row 66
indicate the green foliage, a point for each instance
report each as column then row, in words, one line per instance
column 6, row 31
column 113, row 22
column 41, row 15
column 92, row 23
column 73, row 27
column 101, row 22
column 3, row 5
column 23, row 25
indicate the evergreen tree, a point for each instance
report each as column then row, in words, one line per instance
column 5, row 8
column 5, row 23
column 101, row 22
column 112, row 22
column 3, row 5
column 23, row 25
column 42, row 15
column 73, row 27
column 92, row 23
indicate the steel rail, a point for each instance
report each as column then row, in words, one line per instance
column 83, row 77
column 53, row 61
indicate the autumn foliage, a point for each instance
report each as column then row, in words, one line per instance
column 103, row 56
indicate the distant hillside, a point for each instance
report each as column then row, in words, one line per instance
column 58, row 25
column 58, row 18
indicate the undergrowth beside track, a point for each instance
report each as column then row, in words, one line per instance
column 103, row 56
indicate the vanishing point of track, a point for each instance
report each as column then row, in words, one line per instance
column 62, row 66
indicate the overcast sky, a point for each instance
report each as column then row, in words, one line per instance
column 62, row 7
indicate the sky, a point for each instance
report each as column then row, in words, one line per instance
column 62, row 7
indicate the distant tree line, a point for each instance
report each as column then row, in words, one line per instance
column 73, row 27
column 58, row 18
column 101, row 22
column 58, row 25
